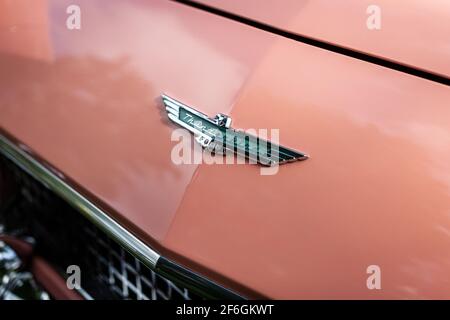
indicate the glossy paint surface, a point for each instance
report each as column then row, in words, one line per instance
column 412, row 32
column 376, row 190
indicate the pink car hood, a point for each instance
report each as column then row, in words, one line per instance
column 376, row 190
column 410, row 32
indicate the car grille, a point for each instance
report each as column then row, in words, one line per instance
column 64, row 237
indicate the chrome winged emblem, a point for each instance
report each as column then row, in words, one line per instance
column 217, row 135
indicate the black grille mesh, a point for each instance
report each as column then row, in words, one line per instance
column 64, row 237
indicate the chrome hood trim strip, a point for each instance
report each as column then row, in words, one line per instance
column 103, row 221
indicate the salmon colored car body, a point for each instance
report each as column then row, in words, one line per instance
column 370, row 108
